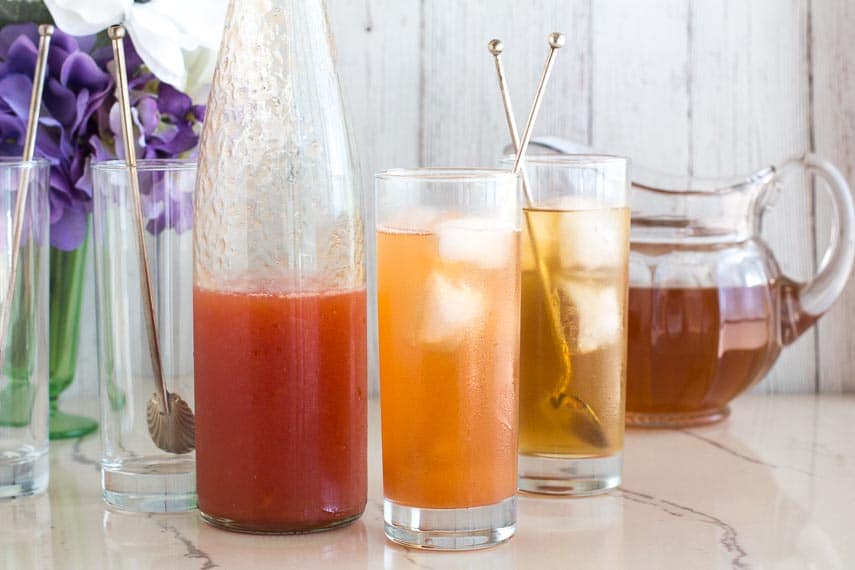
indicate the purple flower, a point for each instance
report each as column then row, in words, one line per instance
column 78, row 123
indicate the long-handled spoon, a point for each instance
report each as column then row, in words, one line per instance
column 45, row 34
column 171, row 424
column 586, row 422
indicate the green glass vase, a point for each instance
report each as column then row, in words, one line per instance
column 67, row 273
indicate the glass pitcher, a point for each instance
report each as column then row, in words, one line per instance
column 709, row 308
column 279, row 282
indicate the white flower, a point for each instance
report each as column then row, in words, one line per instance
column 177, row 39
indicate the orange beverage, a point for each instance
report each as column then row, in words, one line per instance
column 448, row 316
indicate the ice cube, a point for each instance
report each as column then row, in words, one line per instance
column 593, row 236
column 451, row 308
column 593, row 313
column 488, row 244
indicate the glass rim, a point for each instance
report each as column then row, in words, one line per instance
column 429, row 174
column 148, row 165
column 15, row 162
column 594, row 159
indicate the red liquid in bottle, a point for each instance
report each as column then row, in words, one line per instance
column 280, row 409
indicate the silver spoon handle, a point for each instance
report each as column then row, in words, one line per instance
column 45, row 33
column 496, row 48
column 556, row 42
column 117, row 36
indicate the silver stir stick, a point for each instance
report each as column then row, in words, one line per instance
column 170, row 420
column 586, row 422
column 45, row 33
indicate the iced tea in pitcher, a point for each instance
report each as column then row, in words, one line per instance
column 692, row 349
column 709, row 309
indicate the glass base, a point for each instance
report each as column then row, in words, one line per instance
column 24, row 471
column 450, row 529
column 578, row 476
column 676, row 420
column 150, row 485
column 249, row 528
column 70, row 426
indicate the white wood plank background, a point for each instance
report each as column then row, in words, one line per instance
column 688, row 86
column 833, row 127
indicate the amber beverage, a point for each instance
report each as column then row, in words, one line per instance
column 693, row 349
column 575, row 253
column 448, row 318
column 572, row 376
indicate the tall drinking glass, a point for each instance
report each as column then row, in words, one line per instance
column 24, row 374
column 573, row 336
column 135, row 474
column 448, row 317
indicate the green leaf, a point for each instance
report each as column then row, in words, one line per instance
column 14, row 11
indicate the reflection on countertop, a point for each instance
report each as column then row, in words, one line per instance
column 770, row 487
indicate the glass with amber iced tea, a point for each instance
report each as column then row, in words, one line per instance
column 573, row 337
column 448, row 283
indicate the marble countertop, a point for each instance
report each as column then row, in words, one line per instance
column 771, row 487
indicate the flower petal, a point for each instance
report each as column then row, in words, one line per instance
column 68, row 231
column 84, row 17
column 103, row 56
column 173, row 102
column 47, row 146
column 82, row 104
column 21, row 57
column 81, row 72
column 11, row 33
column 149, row 114
column 200, row 22
column 60, row 102
column 199, row 113
column 100, row 149
column 159, row 47
column 15, row 91
column 11, row 135
column 65, row 42
column 182, row 141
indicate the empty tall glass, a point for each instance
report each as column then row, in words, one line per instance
column 24, row 374
column 448, row 315
column 136, row 475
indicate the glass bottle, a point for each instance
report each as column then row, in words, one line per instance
column 279, row 282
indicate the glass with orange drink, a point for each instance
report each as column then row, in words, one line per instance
column 448, row 301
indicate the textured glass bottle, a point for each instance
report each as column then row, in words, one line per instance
column 279, row 299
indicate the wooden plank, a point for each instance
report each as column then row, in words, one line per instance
column 749, row 109
column 833, row 74
column 462, row 119
column 378, row 62
column 640, row 82
column 377, row 55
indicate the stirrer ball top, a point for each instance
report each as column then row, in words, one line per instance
column 116, row 32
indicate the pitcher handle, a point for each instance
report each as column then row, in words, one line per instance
column 803, row 303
